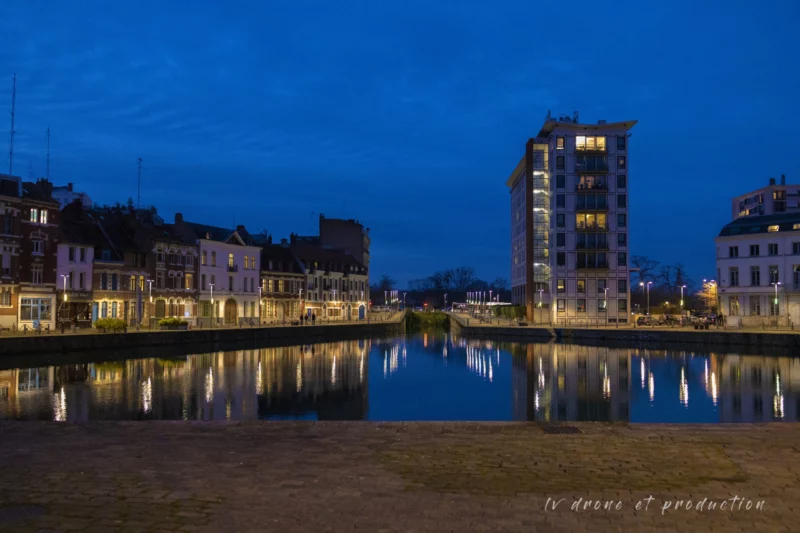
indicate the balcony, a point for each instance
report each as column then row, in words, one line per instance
column 591, row 163
column 591, row 227
column 589, row 187
column 233, row 268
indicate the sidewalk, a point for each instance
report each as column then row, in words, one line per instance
column 303, row 476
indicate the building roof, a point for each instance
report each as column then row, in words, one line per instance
column 326, row 258
column 283, row 260
column 215, row 233
column 78, row 227
column 551, row 125
column 761, row 224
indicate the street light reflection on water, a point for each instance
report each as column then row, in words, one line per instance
column 431, row 376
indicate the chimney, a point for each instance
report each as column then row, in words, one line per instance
column 783, row 179
column 292, row 238
column 772, row 181
column 178, row 218
column 284, row 242
column 269, row 239
column 69, row 187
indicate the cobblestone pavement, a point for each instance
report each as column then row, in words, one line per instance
column 341, row 476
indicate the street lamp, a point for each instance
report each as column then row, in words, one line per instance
column 541, row 298
column 213, row 307
column 682, row 287
column 150, row 290
column 385, row 297
column 605, row 301
column 260, row 292
column 65, row 276
column 776, row 296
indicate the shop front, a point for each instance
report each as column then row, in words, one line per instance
column 75, row 309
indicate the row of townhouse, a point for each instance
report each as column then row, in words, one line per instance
column 71, row 267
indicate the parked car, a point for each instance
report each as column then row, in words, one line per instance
column 644, row 321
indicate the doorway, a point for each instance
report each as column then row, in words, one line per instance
column 231, row 313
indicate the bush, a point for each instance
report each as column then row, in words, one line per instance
column 173, row 321
column 110, row 324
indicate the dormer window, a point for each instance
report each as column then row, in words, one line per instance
column 34, row 215
column 43, row 216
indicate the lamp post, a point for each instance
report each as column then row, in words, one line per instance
column 64, row 277
column 682, row 287
column 445, row 300
column 541, row 298
column 213, row 307
column 385, row 297
column 605, row 301
column 776, row 297
column 260, row 292
column 404, row 301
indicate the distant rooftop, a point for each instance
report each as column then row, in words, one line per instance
column 762, row 224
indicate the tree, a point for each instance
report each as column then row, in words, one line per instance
column 386, row 283
column 500, row 284
column 708, row 295
column 645, row 267
column 463, row 277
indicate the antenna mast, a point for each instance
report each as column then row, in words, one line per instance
column 139, row 186
column 11, row 142
column 47, row 174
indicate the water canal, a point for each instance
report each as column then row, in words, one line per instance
column 425, row 376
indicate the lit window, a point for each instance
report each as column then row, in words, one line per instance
column 34, row 214
column 560, row 144
column 562, row 285
column 584, row 143
column 230, row 260
column 774, row 228
column 43, row 216
column 795, row 226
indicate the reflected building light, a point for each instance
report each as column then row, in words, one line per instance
column 536, row 401
column 777, row 400
column 405, row 353
column 606, row 382
column 209, row 385
column 60, row 406
column 498, row 356
column 684, row 389
column 444, row 352
column 260, row 379
column 425, row 340
column 490, row 371
column 651, row 385
column 541, row 378
column 147, row 396
column 333, row 371
column 227, row 408
column 705, row 375
column 385, row 365
column 714, row 394
column 641, row 370
column 361, row 369
column 299, row 376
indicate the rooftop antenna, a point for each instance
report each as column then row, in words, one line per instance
column 11, row 141
column 47, row 174
column 139, row 185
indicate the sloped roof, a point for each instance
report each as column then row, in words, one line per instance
column 283, row 260
column 326, row 258
column 761, row 224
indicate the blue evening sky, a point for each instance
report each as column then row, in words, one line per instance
column 409, row 115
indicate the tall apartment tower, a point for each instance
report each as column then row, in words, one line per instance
column 569, row 223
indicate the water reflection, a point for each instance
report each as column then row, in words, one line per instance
column 432, row 376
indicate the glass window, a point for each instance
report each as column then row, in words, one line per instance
column 622, row 259
column 560, row 181
column 561, row 239
column 36, row 274
column 559, row 162
column 621, row 142
column 772, row 248
column 581, row 305
column 34, row 215
column 755, row 276
column 247, row 262
column 560, row 200
column 622, row 239
column 71, row 254
column 230, row 260
column 755, row 305
column 622, row 286
column 622, row 200
column 560, row 143
column 622, row 220
column 733, row 302
column 621, row 162
column 772, row 229
column 560, row 220
column 754, row 250
column 601, row 304
column 581, row 285
column 83, row 255
column 34, row 309
column 733, row 251
column 561, row 259
column 203, row 258
column 601, row 286
column 561, row 285
column 43, row 216
column 213, row 259
column 734, row 276
column 622, row 306
column 796, row 248
column 622, row 182
column 38, row 246
column 773, row 275
column 562, row 305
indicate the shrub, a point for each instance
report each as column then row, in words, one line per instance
column 110, row 324
column 173, row 321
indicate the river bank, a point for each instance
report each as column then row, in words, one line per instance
column 57, row 343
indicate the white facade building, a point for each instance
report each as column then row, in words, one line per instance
column 65, row 195
column 569, row 223
column 229, row 274
column 758, row 269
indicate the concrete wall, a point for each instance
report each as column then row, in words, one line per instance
column 56, row 343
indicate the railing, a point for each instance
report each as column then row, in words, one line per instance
column 584, row 226
column 584, row 187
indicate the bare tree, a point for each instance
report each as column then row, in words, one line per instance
column 645, row 267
